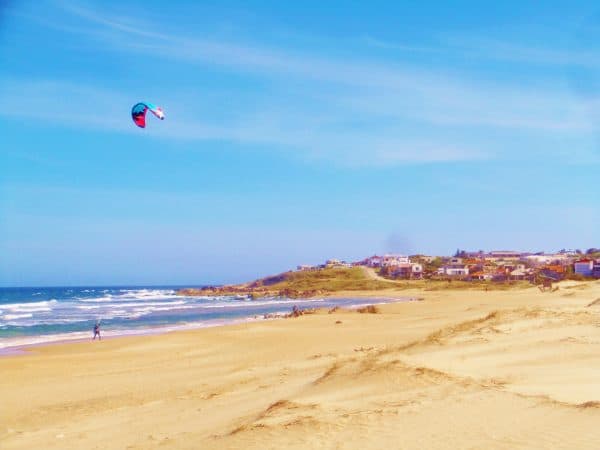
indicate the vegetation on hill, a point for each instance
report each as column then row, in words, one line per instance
column 304, row 284
column 301, row 284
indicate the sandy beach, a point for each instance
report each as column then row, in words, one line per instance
column 458, row 369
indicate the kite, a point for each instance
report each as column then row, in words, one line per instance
column 139, row 110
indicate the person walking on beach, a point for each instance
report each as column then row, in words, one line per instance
column 97, row 332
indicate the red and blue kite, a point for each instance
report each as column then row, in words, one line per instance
column 139, row 110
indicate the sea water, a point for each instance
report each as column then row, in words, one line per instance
column 39, row 315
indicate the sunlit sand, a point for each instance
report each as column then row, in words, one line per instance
column 459, row 369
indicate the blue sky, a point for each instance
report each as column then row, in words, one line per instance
column 294, row 132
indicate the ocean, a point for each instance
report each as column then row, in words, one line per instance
column 40, row 315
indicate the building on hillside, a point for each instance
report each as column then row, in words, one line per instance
column 336, row 263
column 423, row 258
column 401, row 270
column 596, row 269
column 502, row 255
column 305, row 268
column 453, row 270
column 371, row 261
column 520, row 274
column 394, row 260
column 480, row 276
column 537, row 260
column 417, row 270
column 584, row 267
column 509, row 266
column 410, row 270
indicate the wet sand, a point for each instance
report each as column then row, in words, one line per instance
column 459, row 369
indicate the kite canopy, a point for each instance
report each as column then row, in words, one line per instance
column 139, row 110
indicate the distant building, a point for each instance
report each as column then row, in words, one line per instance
column 504, row 255
column 401, row 270
column 584, row 267
column 596, row 269
column 481, row 276
column 333, row 263
column 394, row 260
column 557, row 258
column 305, row 267
column 372, row 261
column 417, row 270
column 404, row 270
column 453, row 270
column 423, row 258
column 519, row 274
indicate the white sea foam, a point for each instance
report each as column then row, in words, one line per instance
column 30, row 306
column 243, row 304
column 130, row 305
column 131, row 296
column 16, row 316
column 149, row 309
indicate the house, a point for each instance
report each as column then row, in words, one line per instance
column 556, row 268
column 584, row 267
column 305, row 267
column 453, row 270
column 394, row 260
column 596, row 269
column 372, row 261
column 410, row 270
column 424, row 258
column 519, row 273
column 480, row 276
column 401, row 270
column 417, row 270
column 336, row 263
column 558, row 258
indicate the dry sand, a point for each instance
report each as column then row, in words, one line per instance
column 460, row 369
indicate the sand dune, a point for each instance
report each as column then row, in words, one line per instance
column 502, row 369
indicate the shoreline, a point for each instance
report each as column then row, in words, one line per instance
column 77, row 336
column 8, row 348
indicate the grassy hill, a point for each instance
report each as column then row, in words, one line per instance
column 328, row 281
column 332, row 279
column 301, row 284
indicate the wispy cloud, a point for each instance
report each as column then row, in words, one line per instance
column 350, row 111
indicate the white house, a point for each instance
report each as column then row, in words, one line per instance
column 558, row 258
column 411, row 270
column 417, row 269
column 454, row 270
